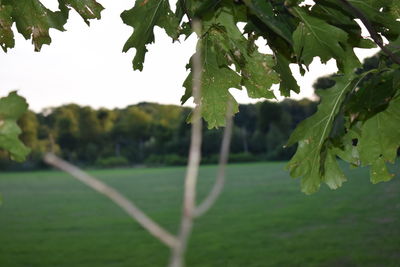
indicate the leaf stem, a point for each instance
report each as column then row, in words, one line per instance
column 209, row 201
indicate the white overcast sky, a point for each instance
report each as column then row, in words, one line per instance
column 85, row 65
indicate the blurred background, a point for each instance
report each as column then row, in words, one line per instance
column 128, row 129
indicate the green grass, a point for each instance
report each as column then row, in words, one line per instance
column 261, row 219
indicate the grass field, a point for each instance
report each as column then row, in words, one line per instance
column 262, row 219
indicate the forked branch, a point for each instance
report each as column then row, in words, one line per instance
column 125, row 204
column 216, row 190
column 178, row 244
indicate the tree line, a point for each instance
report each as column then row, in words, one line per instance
column 153, row 134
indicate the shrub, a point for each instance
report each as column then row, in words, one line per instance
column 174, row 160
column 111, row 162
column 168, row 159
column 243, row 157
column 233, row 157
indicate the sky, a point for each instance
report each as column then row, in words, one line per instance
column 85, row 65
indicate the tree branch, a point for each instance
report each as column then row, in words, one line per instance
column 223, row 159
column 194, row 160
column 374, row 34
column 128, row 206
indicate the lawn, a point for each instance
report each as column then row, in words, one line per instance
column 261, row 219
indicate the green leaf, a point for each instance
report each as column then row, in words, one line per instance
column 143, row 17
column 314, row 37
column 11, row 109
column 264, row 11
column 333, row 176
column 331, row 11
column 373, row 96
column 223, row 46
column 395, row 9
column 258, row 76
column 6, row 33
column 196, row 8
column 215, row 83
column 310, row 160
column 349, row 63
column 87, row 9
column 378, row 13
column 380, row 140
column 255, row 68
column 288, row 82
column 379, row 172
column 347, row 151
column 34, row 20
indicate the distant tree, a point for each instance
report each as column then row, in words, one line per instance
column 246, row 120
column 295, row 32
column 29, row 125
column 131, row 131
column 66, row 129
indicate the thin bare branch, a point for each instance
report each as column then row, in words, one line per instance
column 128, row 206
column 193, row 162
column 374, row 34
column 209, row 201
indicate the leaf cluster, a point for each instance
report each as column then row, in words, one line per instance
column 357, row 119
column 33, row 20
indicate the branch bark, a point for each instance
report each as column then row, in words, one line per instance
column 177, row 257
column 374, row 34
column 128, row 206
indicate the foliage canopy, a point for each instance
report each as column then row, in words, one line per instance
column 358, row 118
